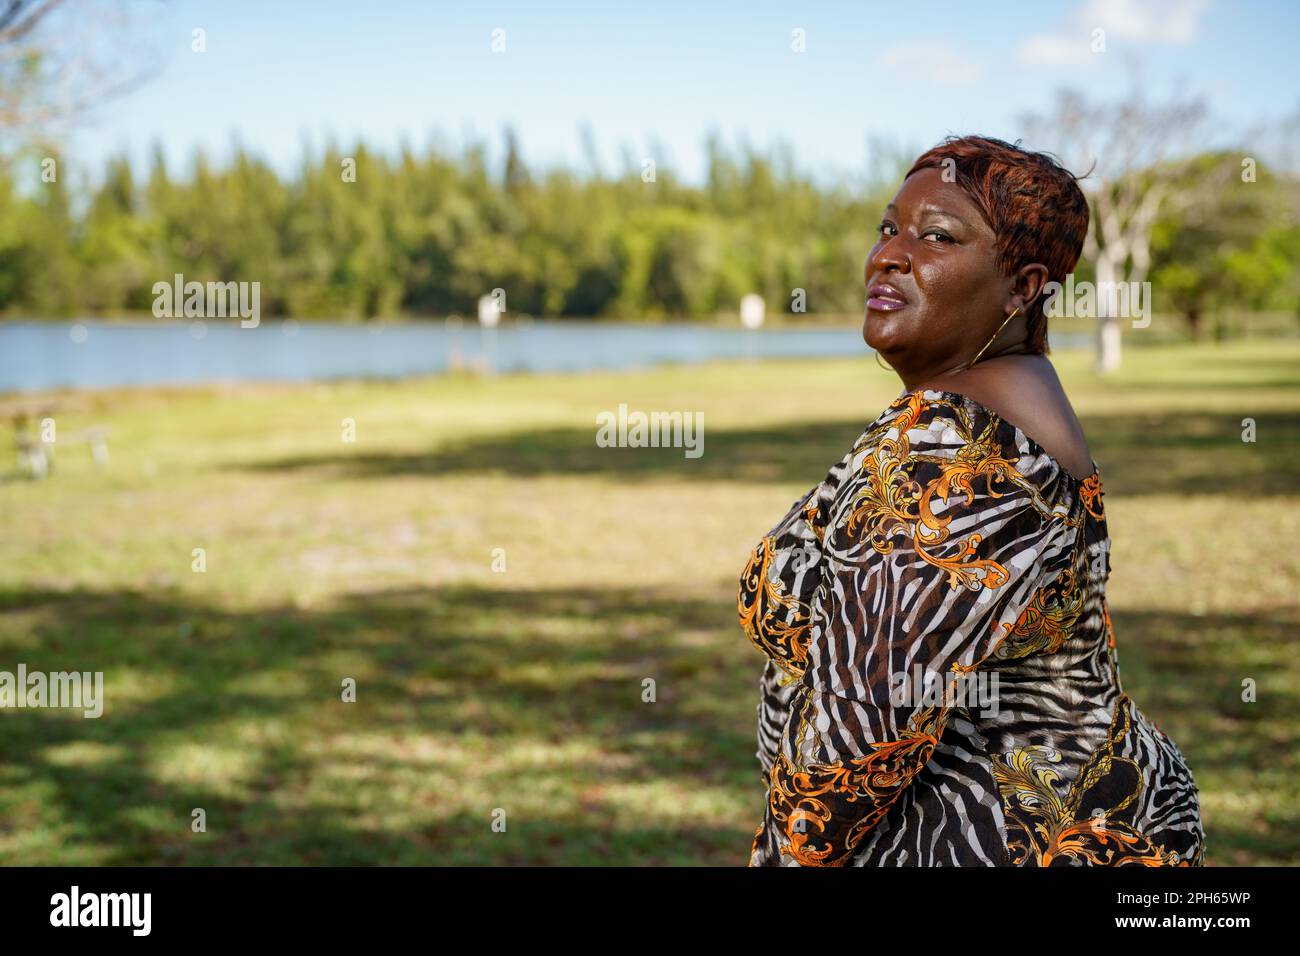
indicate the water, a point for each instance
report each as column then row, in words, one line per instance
column 87, row 354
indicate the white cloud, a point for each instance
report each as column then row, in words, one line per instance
column 1168, row 22
column 939, row 62
column 1058, row 49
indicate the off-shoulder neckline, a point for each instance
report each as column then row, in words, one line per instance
column 1021, row 434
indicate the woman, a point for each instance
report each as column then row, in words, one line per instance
column 941, row 685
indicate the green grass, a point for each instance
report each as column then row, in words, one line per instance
column 522, row 690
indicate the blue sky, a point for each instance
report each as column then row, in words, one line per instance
column 654, row 79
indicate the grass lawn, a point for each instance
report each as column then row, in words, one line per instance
column 520, row 690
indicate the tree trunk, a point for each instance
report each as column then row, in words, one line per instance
column 1108, row 338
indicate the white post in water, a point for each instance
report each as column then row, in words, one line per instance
column 489, row 314
column 751, row 317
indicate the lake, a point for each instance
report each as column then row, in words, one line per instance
column 89, row 354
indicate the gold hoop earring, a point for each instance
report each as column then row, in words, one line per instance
column 995, row 335
column 887, row 368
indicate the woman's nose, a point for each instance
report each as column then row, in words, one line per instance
column 888, row 254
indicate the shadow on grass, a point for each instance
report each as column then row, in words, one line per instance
column 472, row 699
column 1139, row 454
column 468, row 700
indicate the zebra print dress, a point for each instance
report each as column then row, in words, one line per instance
column 941, row 685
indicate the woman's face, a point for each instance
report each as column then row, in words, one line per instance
column 934, row 292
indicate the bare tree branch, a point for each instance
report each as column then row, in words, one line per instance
column 1134, row 154
column 20, row 17
column 59, row 60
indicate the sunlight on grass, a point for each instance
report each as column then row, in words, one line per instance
column 521, row 690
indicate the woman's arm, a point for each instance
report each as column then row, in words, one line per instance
column 776, row 692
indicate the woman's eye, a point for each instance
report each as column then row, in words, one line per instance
column 882, row 227
column 941, row 236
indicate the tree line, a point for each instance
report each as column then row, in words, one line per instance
column 360, row 234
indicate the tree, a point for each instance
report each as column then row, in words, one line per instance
column 1137, row 155
column 1230, row 247
column 55, row 65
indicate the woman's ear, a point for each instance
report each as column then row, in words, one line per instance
column 1027, row 285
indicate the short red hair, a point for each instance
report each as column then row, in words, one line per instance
column 1032, row 203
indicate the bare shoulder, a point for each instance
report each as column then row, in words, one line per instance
column 1025, row 391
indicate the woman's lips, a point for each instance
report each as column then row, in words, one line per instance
column 883, row 304
column 885, row 298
